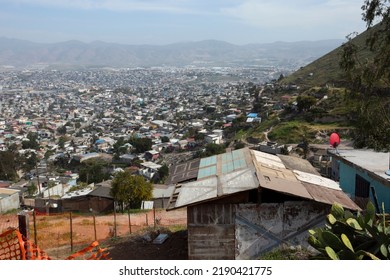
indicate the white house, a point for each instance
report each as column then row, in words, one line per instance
column 213, row 138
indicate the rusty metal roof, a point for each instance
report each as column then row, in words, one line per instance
column 331, row 196
column 273, row 175
column 218, row 176
column 245, row 169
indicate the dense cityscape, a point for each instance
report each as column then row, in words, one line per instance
column 51, row 119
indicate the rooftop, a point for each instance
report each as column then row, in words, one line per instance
column 374, row 162
column 244, row 170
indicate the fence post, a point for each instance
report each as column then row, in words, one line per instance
column 23, row 224
column 128, row 213
column 71, row 232
column 35, row 228
column 94, row 226
column 115, row 219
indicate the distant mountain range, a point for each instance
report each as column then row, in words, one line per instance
column 21, row 53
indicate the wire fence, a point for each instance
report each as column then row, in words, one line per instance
column 71, row 229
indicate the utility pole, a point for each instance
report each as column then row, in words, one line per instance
column 36, row 170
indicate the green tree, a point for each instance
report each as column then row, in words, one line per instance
column 164, row 139
column 32, row 142
column 118, row 144
column 7, row 166
column 239, row 145
column 61, row 142
column 369, row 78
column 32, row 189
column 141, row 145
column 163, row 172
column 214, row 149
column 29, row 161
column 130, row 190
column 61, row 130
column 93, row 171
column 305, row 102
column 240, row 119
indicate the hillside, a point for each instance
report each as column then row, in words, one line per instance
column 316, row 100
column 21, row 53
column 326, row 69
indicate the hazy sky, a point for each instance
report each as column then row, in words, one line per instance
column 169, row 21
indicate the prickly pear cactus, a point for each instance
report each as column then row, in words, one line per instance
column 348, row 236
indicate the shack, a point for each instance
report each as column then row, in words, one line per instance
column 244, row 203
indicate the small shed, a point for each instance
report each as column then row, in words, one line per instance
column 245, row 203
column 97, row 199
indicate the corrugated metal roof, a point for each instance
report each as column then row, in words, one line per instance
column 101, row 191
column 268, row 160
column 273, row 175
column 224, row 163
column 245, row 169
column 238, row 181
column 295, row 163
column 208, row 161
column 218, row 176
column 198, row 191
column 78, row 193
column 331, row 196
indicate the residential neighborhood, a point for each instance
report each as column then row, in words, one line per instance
column 53, row 123
column 65, row 135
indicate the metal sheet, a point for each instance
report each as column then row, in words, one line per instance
column 243, row 170
column 206, row 172
column 281, row 181
column 198, row 191
column 268, row 160
column 183, row 172
column 295, row 163
column 208, row 161
column 316, row 180
column 238, row 181
column 330, row 196
column 224, row 163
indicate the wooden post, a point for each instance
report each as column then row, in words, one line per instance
column 115, row 219
column 23, row 224
column 128, row 213
column 35, row 228
column 146, row 216
column 71, row 232
column 94, row 226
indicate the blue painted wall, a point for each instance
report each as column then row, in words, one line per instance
column 347, row 183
